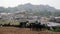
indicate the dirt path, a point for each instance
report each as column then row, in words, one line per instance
column 14, row 30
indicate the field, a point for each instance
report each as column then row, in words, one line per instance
column 15, row 30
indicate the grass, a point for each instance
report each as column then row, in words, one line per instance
column 12, row 22
column 56, row 29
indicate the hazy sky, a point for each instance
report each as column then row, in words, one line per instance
column 13, row 3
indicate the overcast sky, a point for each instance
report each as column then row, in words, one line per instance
column 13, row 3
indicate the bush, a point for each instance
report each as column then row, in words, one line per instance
column 57, row 29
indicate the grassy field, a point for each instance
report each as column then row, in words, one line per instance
column 12, row 22
column 15, row 30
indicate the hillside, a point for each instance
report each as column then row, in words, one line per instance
column 35, row 9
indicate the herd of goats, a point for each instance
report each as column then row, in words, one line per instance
column 37, row 25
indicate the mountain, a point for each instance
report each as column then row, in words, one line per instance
column 28, row 7
column 36, row 7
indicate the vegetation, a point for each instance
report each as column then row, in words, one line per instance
column 11, row 22
column 40, row 10
column 56, row 29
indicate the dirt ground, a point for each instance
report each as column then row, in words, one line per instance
column 14, row 30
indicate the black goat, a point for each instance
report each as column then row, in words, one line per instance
column 36, row 26
column 23, row 24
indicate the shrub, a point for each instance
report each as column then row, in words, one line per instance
column 57, row 29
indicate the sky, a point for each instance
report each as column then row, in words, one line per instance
column 13, row 3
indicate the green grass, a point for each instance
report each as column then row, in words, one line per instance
column 12, row 22
column 57, row 29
